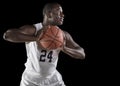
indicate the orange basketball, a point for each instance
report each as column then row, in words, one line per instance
column 52, row 38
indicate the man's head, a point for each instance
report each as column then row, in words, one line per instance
column 53, row 14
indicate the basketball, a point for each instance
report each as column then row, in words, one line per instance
column 52, row 38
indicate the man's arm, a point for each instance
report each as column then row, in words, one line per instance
column 72, row 48
column 23, row 34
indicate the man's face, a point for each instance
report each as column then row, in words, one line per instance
column 57, row 15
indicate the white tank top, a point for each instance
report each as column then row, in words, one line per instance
column 40, row 63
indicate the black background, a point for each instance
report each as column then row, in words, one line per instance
column 83, row 20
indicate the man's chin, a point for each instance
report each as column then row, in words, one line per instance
column 60, row 23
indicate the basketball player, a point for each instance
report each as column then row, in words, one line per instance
column 40, row 67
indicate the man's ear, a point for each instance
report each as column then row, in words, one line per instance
column 49, row 14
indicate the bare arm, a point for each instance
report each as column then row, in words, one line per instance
column 18, row 35
column 72, row 48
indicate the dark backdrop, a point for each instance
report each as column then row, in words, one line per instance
column 81, row 21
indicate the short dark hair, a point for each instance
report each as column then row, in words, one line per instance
column 48, row 7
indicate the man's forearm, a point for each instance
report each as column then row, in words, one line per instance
column 75, row 53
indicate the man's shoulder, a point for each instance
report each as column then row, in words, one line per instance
column 65, row 32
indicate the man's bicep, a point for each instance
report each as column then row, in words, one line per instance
column 70, row 42
column 27, row 29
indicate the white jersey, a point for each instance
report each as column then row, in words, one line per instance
column 40, row 63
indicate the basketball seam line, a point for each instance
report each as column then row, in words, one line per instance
column 54, row 38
